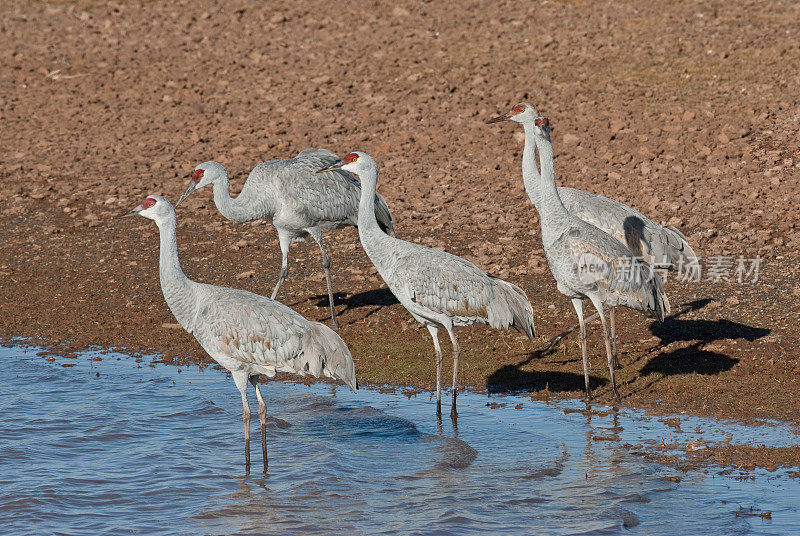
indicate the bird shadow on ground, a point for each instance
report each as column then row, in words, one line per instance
column 512, row 379
column 674, row 328
column 689, row 360
column 694, row 358
column 379, row 297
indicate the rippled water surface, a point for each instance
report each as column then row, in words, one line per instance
column 115, row 446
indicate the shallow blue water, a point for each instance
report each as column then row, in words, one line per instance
column 116, row 447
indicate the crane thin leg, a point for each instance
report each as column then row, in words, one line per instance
column 607, row 339
column 246, row 421
column 434, row 331
column 262, row 417
column 613, row 325
column 326, row 265
column 240, row 379
column 456, row 354
column 577, row 303
column 285, row 242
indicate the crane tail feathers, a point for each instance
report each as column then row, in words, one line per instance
column 656, row 301
column 518, row 305
column 671, row 250
column 681, row 246
column 334, row 355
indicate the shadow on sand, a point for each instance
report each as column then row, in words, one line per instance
column 673, row 328
column 694, row 358
column 688, row 360
column 379, row 297
column 510, row 379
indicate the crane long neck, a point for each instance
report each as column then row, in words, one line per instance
column 530, row 173
column 228, row 206
column 368, row 229
column 554, row 216
column 177, row 288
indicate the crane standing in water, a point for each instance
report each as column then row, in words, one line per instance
column 440, row 290
column 297, row 201
column 586, row 262
column 246, row 333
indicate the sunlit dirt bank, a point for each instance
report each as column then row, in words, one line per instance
column 687, row 111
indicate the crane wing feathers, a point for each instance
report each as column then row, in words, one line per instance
column 260, row 332
column 655, row 244
column 383, row 215
column 440, row 284
column 317, row 157
column 251, row 328
column 444, row 283
column 294, row 184
column 602, row 264
column 617, row 219
column 334, row 195
column 331, row 196
column 324, row 197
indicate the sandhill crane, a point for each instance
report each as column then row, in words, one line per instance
column 586, row 262
column 297, row 201
column 246, row 333
column 440, row 290
column 660, row 246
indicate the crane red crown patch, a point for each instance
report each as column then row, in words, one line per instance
column 197, row 175
column 148, row 202
column 542, row 122
column 350, row 158
column 518, row 109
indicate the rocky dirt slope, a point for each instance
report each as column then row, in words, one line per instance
column 687, row 111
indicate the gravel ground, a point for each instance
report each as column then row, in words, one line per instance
column 687, row 111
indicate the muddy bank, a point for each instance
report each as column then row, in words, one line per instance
column 686, row 112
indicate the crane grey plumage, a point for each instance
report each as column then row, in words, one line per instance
column 246, row 333
column 268, row 337
column 660, row 246
column 587, row 262
column 295, row 199
column 440, row 290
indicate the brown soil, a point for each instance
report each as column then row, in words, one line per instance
column 687, row 111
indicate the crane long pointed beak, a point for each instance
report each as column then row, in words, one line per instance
column 332, row 168
column 504, row 117
column 189, row 189
column 135, row 210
